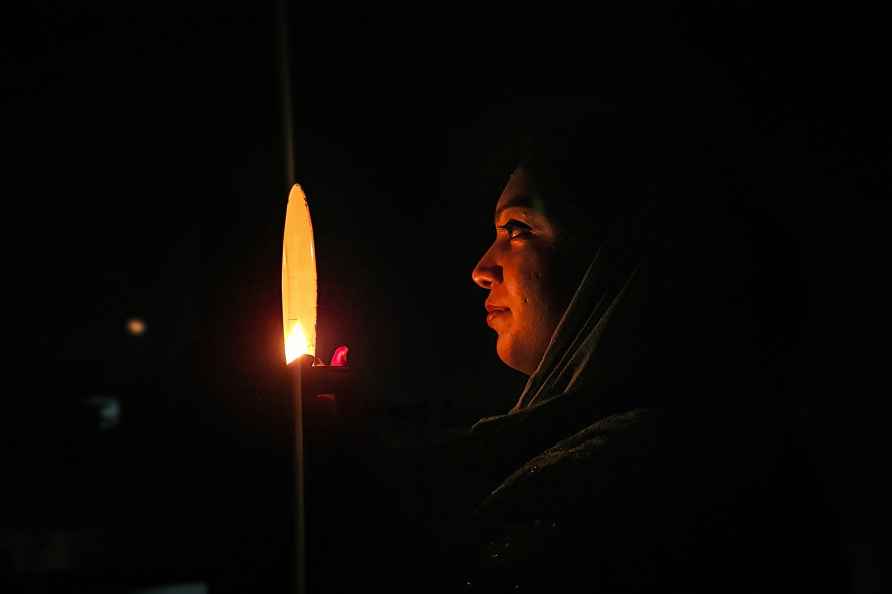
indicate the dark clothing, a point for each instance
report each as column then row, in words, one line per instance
column 646, row 454
column 594, row 500
column 642, row 500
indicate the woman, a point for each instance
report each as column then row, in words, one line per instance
column 646, row 451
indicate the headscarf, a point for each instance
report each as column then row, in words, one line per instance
column 662, row 317
column 611, row 285
column 662, row 333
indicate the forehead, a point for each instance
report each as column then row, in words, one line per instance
column 519, row 191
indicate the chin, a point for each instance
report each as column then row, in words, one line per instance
column 512, row 356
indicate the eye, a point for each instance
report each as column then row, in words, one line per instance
column 515, row 229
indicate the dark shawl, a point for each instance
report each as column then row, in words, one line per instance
column 646, row 453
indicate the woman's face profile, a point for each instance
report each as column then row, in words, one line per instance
column 528, row 290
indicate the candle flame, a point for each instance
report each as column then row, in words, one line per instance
column 296, row 343
column 298, row 278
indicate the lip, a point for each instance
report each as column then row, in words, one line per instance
column 491, row 308
column 494, row 312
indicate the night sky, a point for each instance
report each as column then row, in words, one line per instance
column 145, row 177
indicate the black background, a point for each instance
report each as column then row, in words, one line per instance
column 144, row 175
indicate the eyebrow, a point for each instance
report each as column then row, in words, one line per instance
column 519, row 202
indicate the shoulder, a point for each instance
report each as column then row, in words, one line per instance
column 558, row 515
column 590, row 461
column 650, row 457
column 627, row 501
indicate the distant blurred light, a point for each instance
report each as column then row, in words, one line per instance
column 136, row 327
column 108, row 409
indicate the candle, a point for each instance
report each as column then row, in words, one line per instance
column 299, row 293
column 308, row 378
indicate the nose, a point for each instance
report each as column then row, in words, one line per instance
column 487, row 271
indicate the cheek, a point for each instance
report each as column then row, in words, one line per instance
column 552, row 278
column 533, row 284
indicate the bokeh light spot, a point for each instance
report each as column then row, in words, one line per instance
column 136, row 327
